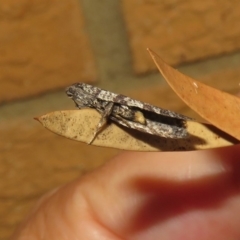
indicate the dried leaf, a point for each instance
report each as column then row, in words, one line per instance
column 219, row 108
column 79, row 125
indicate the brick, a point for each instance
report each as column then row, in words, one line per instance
column 180, row 31
column 43, row 46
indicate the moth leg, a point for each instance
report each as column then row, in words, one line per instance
column 105, row 114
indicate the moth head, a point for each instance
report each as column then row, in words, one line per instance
column 77, row 93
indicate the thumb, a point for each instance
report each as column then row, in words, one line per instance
column 187, row 195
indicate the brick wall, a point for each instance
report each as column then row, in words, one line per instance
column 181, row 31
column 46, row 45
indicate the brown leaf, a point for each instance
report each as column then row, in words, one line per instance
column 217, row 107
column 80, row 125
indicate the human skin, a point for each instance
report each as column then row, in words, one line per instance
column 167, row 196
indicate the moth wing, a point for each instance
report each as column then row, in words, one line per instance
column 153, row 128
column 127, row 101
column 107, row 96
column 161, row 111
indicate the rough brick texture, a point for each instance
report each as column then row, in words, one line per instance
column 43, row 45
column 181, row 31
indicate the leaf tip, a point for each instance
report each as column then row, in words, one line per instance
column 150, row 51
column 154, row 56
column 37, row 119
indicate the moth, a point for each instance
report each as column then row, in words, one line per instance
column 128, row 112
